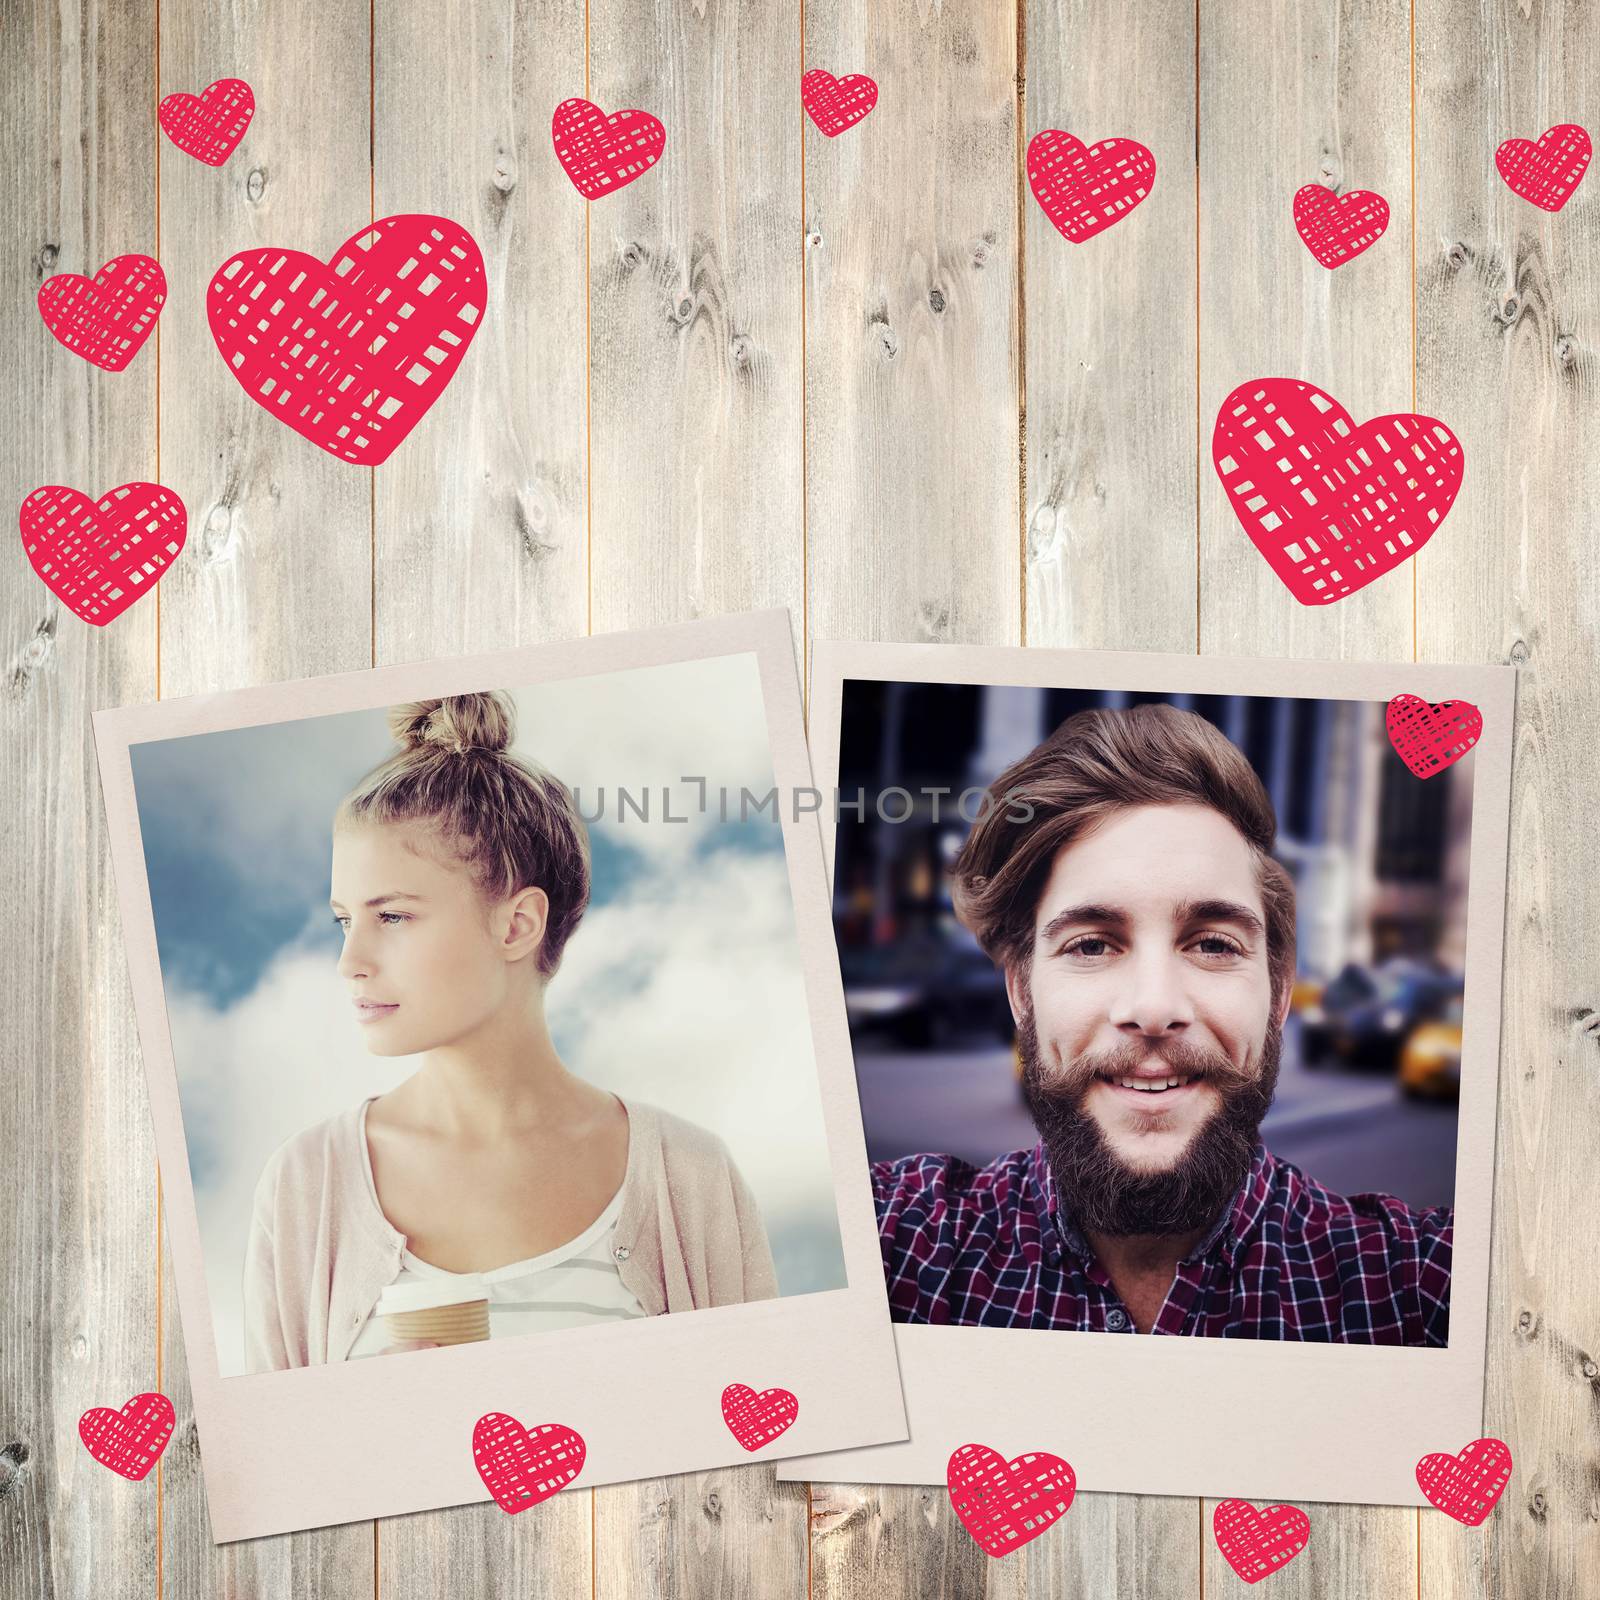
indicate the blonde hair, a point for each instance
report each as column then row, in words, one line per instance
column 511, row 823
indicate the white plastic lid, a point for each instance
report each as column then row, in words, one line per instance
column 427, row 1295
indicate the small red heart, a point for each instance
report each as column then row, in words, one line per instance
column 1005, row 1504
column 835, row 104
column 129, row 1441
column 98, row 556
column 1429, row 738
column 757, row 1419
column 1330, row 504
column 1336, row 228
column 1467, row 1485
column 351, row 353
column 520, row 1469
column 107, row 318
column 1547, row 172
column 1256, row 1543
column 602, row 154
column 1084, row 189
column 209, row 125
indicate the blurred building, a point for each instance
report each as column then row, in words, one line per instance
column 1379, row 856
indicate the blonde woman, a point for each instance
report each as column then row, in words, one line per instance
column 459, row 874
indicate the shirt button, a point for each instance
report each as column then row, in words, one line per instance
column 1116, row 1320
column 621, row 1252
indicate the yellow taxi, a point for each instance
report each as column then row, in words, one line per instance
column 1430, row 1059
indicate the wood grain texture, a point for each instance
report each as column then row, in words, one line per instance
column 78, row 1311
column 1293, row 95
column 694, row 289
column 479, row 525
column 1111, row 333
column 912, row 328
column 277, row 580
column 1508, row 299
column 695, row 448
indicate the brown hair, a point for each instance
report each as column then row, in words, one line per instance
column 1095, row 763
column 510, row 822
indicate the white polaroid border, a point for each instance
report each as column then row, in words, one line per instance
column 645, row 1395
column 1258, row 1419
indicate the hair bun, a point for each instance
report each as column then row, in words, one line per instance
column 455, row 724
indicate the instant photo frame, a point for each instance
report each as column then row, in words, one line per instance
column 1211, row 1416
column 387, row 1436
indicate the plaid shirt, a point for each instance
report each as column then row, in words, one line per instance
column 1287, row 1259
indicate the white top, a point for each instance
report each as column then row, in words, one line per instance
column 577, row 1282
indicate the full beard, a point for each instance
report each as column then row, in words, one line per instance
column 1107, row 1195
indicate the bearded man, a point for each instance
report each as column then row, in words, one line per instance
column 1146, row 935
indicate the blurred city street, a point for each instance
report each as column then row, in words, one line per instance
column 1344, row 1126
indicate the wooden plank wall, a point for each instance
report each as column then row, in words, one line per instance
column 861, row 378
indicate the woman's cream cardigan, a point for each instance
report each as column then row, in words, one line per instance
column 321, row 1250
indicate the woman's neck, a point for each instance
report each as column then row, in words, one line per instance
column 504, row 1079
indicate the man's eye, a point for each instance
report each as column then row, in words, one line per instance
column 1218, row 945
column 1088, row 945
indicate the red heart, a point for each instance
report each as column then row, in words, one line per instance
column 107, row 318
column 602, row 154
column 209, row 125
column 1331, row 505
column 98, row 556
column 1547, row 172
column 1004, row 1504
column 835, row 104
column 1429, row 738
column 757, row 1419
column 1256, row 1543
column 520, row 1469
column 352, row 353
column 1085, row 188
column 129, row 1441
column 1338, row 227
column 1467, row 1485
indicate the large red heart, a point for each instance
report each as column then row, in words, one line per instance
column 1336, row 228
column 1547, row 172
column 209, row 125
column 107, row 318
column 1083, row 189
column 520, row 1469
column 602, row 154
column 1256, row 1543
column 1003, row 1504
column 129, row 1441
column 835, row 104
column 757, row 1419
column 98, row 556
column 1466, row 1485
column 1429, row 738
column 1331, row 505
column 352, row 353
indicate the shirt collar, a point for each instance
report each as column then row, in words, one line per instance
column 1231, row 1231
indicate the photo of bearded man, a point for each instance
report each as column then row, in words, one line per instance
column 1146, row 936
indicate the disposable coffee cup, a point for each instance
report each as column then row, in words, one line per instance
column 455, row 1311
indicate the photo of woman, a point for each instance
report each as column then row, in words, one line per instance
column 494, row 1192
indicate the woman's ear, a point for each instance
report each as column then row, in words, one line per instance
column 529, row 916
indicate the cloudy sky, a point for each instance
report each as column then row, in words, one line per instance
column 236, row 829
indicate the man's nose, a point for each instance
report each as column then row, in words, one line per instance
column 1153, row 996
